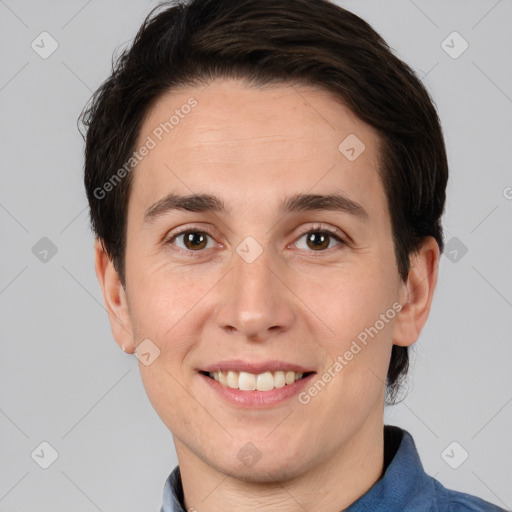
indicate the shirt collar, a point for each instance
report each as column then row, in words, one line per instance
column 404, row 483
column 173, row 493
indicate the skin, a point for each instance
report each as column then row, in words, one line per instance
column 252, row 147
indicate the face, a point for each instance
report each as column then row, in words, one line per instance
column 261, row 281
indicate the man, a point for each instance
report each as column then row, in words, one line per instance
column 266, row 181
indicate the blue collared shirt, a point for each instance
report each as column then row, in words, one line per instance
column 403, row 487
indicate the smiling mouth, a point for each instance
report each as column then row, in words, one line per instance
column 245, row 381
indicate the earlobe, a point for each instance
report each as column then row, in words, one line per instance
column 419, row 289
column 114, row 296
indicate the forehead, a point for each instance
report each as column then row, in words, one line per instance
column 245, row 142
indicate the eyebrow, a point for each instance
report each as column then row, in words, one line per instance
column 293, row 204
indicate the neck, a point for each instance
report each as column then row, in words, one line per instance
column 333, row 484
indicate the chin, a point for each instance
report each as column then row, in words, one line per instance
column 267, row 473
column 267, row 468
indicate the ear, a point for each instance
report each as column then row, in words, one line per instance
column 418, row 293
column 114, row 297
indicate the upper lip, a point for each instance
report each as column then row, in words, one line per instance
column 239, row 365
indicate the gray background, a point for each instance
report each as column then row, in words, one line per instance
column 63, row 379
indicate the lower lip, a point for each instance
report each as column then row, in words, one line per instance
column 255, row 399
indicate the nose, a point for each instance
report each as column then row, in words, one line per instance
column 255, row 301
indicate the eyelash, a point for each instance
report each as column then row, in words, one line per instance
column 207, row 231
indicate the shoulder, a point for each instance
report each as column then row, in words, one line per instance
column 447, row 500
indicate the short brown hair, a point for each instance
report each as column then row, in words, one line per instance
column 312, row 42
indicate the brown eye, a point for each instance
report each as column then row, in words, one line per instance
column 319, row 240
column 192, row 240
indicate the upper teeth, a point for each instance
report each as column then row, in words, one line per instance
column 249, row 381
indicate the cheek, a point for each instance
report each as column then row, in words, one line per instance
column 352, row 301
column 161, row 299
column 162, row 312
column 358, row 308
